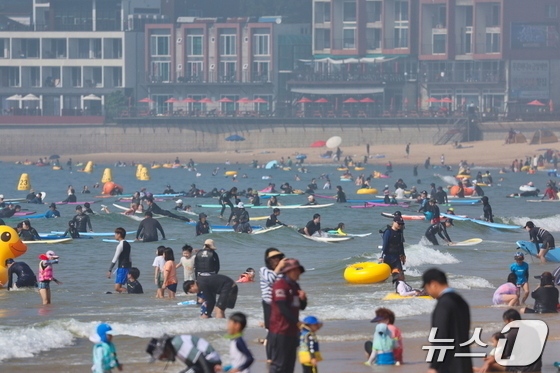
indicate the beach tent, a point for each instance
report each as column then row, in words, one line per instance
column 519, row 138
column 543, row 137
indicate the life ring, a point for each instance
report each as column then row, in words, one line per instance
column 230, row 173
column 359, row 168
column 525, row 168
column 527, row 188
column 379, row 175
column 109, row 187
column 366, row 191
column 57, row 168
column 367, row 273
column 342, row 169
column 463, row 176
column 156, row 166
column 455, row 189
column 287, row 168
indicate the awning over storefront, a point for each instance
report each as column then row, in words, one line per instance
column 352, row 60
column 337, row 90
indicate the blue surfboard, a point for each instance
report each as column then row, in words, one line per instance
column 531, row 249
column 482, row 222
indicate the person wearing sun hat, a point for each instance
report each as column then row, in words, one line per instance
column 46, row 275
column 287, row 300
column 207, row 261
column 104, row 351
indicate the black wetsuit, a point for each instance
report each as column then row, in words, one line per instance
column 88, row 211
column 25, row 276
column 211, row 285
column 539, row 235
column 168, row 191
column 147, row 230
column 438, row 228
column 242, row 218
column 256, row 201
column 434, row 209
column 340, row 196
column 441, row 197
column 30, row 196
column 311, row 228
column 7, row 213
column 71, row 198
column 29, row 235
column 393, row 248
column 273, row 220
column 206, row 261
column 202, row 228
column 225, row 200
column 400, row 184
column 134, row 287
column 155, row 209
column 72, row 232
column 487, row 209
column 82, row 222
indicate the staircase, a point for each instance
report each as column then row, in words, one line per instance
column 455, row 133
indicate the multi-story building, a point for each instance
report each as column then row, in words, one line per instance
column 221, row 60
column 62, row 57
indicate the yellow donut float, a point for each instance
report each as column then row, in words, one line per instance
column 230, row 173
column 57, row 168
column 287, row 168
column 463, row 176
column 342, row 169
column 367, row 272
column 167, row 165
column 525, row 168
column 359, row 168
column 367, row 191
column 156, row 166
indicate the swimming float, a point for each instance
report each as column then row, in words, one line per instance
column 525, row 168
column 463, row 176
column 367, row 191
column 392, row 296
column 57, row 168
column 378, row 175
column 342, row 169
column 287, row 168
column 11, row 246
column 230, row 173
column 359, row 168
column 156, row 166
column 367, row 272
column 527, row 188
column 455, row 189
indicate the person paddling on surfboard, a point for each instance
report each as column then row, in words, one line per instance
column 538, row 236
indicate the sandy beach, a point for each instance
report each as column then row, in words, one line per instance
column 485, row 153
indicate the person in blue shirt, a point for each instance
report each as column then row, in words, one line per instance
column 53, row 212
column 521, row 270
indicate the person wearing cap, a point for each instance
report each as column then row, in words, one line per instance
column 452, row 318
column 71, row 196
column 287, row 300
column 521, row 270
column 104, row 351
column 82, row 221
column 441, row 230
column 392, row 252
column 46, row 275
column 168, row 190
column 210, row 286
column 122, row 259
column 311, row 201
column 155, row 209
column 312, row 227
column 309, row 354
column 193, row 191
column 386, row 316
column 53, row 212
column 545, row 296
column 450, row 211
column 433, row 209
column 178, row 205
column 487, row 210
column 423, row 202
column 274, row 261
column 241, row 220
column 197, row 353
column 207, row 261
column 202, row 226
column 402, row 287
column 148, row 229
column 25, row 276
column 538, row 236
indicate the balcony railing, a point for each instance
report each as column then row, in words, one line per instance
column 212, row 77
column 450, row 76
column 345, row 76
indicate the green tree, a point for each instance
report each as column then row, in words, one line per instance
column 115, row 102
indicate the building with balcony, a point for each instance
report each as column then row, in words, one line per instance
column 68, row 55
column 222, row 61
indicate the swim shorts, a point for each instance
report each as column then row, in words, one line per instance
column 121, row 276
column 172, row 287
column 228, row 297
column 44, row 284
column 160, row 279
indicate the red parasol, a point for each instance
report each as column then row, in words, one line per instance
column 147, row 99
column 350, row 101
column 322, row 101
column 446, row 100
column 304, row 100
column 206, row 101
column 367, row 100
column 171, row 101
column 536, row 103
column 260, row 101
column 243, row 100
column 225, row 99
column 318, row 144
column 189, row 100
column 431, row 99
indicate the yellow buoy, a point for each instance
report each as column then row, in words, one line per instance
column 24, row 182
column 107, row 176
column 230, row 173
column 88, row 168
column 144, row 174
column 138, row 170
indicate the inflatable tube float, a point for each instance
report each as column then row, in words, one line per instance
column 342, row 169
column 392, row 296
column 167, row 165
column 156, row 166
column 525, row 168
column 379, row 175
column 367, row 272
column 455, row 189
column 527, row 188
column 359, row 168
column 287, row 168
column 463, row 176
column 367, row 191
column 57, row 168
column 346, row 179
column 230, row 173
column 109, row 187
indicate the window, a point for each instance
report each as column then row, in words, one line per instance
column 76, row 76
column 4, row 48
column 322, row 39
column 160, row 71
column 373, row 11
column 439, row 43
column 228, row 45
column 551, row 10
column 401, row 37
column 349, row 11
column 227, row 72
column 260, row 45
column 194, row 47
column 261, row 72
column 117, row 77
column 401, row 10
column 35, row 76
column 13, row 77
column 468, row 16
column 159, row 45
column 29, row 48
column 495, row 16
column 373, row 38
column 440, row 17
column 492, row 42
column 229, row 107
column 349, row 38
column 97, row 75
column 322, row 12
column 468, row 43
column 194, row 71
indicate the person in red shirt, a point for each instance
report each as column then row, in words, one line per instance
column 287, row 300
column 550, row 193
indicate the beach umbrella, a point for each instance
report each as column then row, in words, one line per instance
column 225, row 99
column 304, row 100
column 432, row 99
column 92, row 97
column 350, row 101
column 446, row 100
column 235, row 138
column 147, row 99
column 206, row 100
column 189, row 100
column 171, row 101
column 318, row 144
column 260, row 101
column 536, row 103
column 334, row 142
column 15, row 98
column 31, row 97
column 243, row 100
column 367, row 100
column 322, row 101
column 54, row 156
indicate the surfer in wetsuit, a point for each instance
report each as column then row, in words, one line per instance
column 340, row 195
column 487, row 209
column 202, row 226
column 273, row 219
column 538, row 236
column 147, row 229
column 312, row 227
column 71, row 197
column 532, row 193
column 424, row 202
column 392, row 252
column 242, row 220
column 441, row 230
column 71, row 231
column 81, row 220
column 225, row 200
column 311, row 201
column 25, row 275
column 433, row 208
column 441, row 196
column 155, row 209
column 168, row 190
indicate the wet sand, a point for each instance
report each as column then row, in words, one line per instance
column 486, row 153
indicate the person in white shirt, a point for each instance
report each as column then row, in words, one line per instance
column 187, row 262
column 159, row 263
column 402, row 288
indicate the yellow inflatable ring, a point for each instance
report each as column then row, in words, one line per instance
column 359, row 168
column 525, row 168
column 463, row 176
column 57, row 168
column 230, row 173
column 156, row 166
column 287, row 168
column 367, row 191
column 342, row 169
column 367, row 272
column 168, row 165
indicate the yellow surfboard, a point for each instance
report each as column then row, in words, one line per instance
column 392, row 296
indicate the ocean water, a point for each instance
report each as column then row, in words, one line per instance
column 32, row 334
